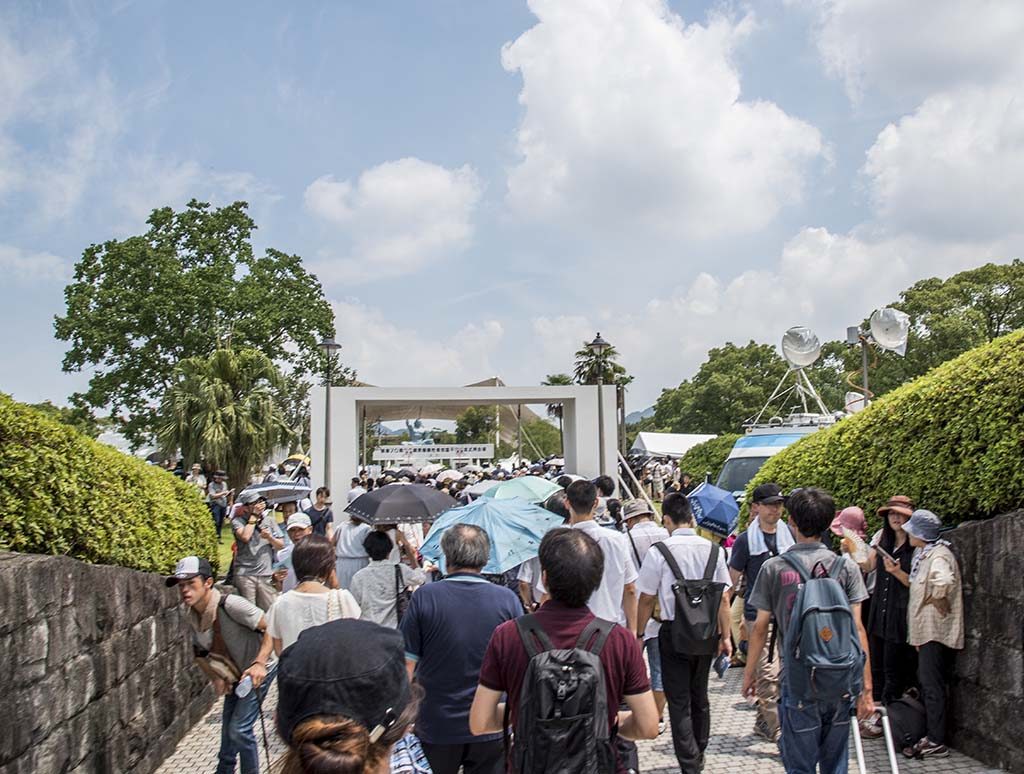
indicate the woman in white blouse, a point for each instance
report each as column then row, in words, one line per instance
column 316, row 599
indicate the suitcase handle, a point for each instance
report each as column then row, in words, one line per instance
column 890, row 748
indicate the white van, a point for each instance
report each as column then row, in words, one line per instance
column 761, row 442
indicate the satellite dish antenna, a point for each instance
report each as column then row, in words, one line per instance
column 854, row 402
column 800, row 347
column 889, row 329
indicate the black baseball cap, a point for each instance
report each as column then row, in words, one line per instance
column 768, row 494
column 187, row 568
column 345, row 667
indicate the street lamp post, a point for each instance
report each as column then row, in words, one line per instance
column 330, row 348
column 598, row 347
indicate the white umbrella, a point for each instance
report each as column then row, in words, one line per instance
column 558, row 462
column 431, row 469
column 450, row 475
column 472, row 469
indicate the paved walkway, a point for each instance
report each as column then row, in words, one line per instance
column 733, row 747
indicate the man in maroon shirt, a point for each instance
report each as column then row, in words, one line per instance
column 572, row 566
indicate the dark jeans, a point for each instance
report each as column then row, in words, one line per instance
column 686, row 691
column 896, row 664
column 814, row 735
column 237, row 737
column 474, row 758
column 933, row 667
column 218, row 512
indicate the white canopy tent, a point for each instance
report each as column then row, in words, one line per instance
column 667, row 444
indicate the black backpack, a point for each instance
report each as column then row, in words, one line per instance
column 561, row 723
column 908, row 721
column 695, row 626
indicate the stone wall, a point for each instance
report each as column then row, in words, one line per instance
column 97, row 673
column 988, row 692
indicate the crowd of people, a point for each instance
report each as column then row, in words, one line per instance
column 384, row 664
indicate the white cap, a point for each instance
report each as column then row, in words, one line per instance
column 298, row 521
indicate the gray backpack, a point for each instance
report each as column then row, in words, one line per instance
column 561, row 722
column 823, row 661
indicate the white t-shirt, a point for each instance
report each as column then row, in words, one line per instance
column 355, row 492
column 644, row 535
column 691, row 553
column 529, row 572
column 619, row 569
column 296, row 611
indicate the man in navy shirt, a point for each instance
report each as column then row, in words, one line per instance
column 447, row 628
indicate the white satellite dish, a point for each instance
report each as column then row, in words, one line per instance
column 854, row 402
column 800, row 346
column 889, row 329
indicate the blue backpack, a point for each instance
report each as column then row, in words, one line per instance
column 824, row 661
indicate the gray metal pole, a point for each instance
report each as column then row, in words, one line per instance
column 864, row 366
column 600, row 419
column 519, row 432
column 327, row 427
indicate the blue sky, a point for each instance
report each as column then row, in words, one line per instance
column 483, row 185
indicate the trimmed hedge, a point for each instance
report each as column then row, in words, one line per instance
column 708, row 456
column 953, row 440
column 63, row 493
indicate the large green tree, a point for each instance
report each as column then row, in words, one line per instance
column 477, row 424
column 544, row 439
column 224, row 409
column 191, row 284
column 730, row 387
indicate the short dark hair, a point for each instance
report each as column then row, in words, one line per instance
column 582, row 495
column 355, row 480
column 465, row 546
column 322, row 490
column 605, row 485
column 564, row 480
column 378, row 545
column 573, row 563
column 677, row 508
column 313, row 557
column 556, row 503
column 811, row 511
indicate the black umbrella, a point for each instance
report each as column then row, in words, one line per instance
column 400, row 504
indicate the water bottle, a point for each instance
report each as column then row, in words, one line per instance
column 244, row 687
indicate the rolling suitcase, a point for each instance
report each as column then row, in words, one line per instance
column 890, row 748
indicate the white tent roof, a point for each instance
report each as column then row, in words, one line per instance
column 667, row 444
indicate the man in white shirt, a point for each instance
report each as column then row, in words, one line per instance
column 615, row 599
column 356, row 490
column 642, row 533
column 685, row 676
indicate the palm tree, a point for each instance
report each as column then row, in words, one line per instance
column 224, row 409
column 555, row 409
column 588, row 366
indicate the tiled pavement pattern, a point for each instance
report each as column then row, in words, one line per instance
column 733, row 747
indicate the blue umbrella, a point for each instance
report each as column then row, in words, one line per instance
column 515, row 528
column 714, row 509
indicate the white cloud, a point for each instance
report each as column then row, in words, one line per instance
column 912, row 48
column 824, row 280
column 955, row 167
column 387, row 354
column 32, row 266
column 147, row 182
column 633, row 118
column 397, row 218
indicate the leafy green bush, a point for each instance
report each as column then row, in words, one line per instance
column 63, row 493
column 953, row 440
column 708, row 456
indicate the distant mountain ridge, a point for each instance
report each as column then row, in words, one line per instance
column 635, row 416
